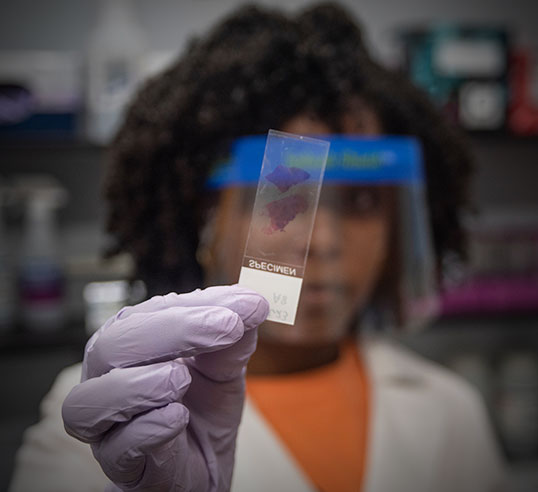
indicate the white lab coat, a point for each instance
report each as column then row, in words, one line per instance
column 429, row 432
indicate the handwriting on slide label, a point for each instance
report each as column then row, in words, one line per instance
column 279, row 299
column 278, row 315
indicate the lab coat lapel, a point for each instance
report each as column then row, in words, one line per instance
column 405, row 429
column 405, row 425
column 262, row 461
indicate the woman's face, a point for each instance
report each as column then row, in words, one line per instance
column 347, row 251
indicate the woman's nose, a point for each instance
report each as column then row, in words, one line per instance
column 326, row 240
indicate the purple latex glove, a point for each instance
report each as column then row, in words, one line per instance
column 163, row 389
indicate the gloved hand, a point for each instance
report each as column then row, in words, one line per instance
column 163, row 389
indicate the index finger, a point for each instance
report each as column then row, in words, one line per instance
column 147, row 338
column 238, row 299
column 173, row 326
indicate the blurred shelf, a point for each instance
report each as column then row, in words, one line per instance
column 79, row 142
column 45, row 143
column 502, row 137
column 492, row 296
column 72, row 335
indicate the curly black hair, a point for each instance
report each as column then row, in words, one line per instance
column 252, row 72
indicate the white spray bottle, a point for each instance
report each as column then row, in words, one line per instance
column 41, row 279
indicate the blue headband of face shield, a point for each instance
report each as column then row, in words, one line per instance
column 359, row 160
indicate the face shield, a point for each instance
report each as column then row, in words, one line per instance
column 370, row 258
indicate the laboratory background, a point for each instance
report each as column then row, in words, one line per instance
column 478, row 60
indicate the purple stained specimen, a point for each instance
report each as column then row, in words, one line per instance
column 283, row 211
column 285, row 177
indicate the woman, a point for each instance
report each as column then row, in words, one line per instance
column 162, row 389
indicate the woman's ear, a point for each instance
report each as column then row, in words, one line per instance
column 206, row 242
column 221, row 243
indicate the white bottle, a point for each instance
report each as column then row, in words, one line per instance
column 115, row 67
column 41, row 278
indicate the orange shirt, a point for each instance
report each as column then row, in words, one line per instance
column 322, row 417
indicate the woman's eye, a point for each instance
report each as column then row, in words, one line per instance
column 363, row 202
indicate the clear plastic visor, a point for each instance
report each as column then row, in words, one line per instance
column 370, row 255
